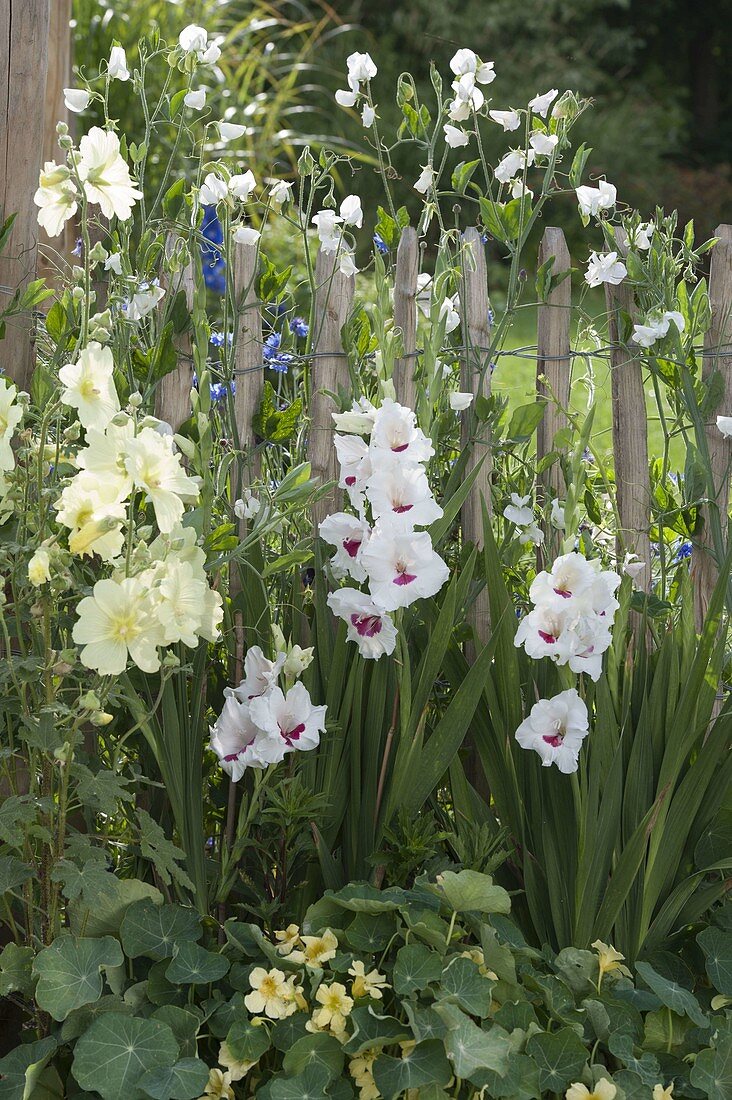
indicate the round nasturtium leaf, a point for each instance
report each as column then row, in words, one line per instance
column 116, row 1052
column 155, row 930
column 69, row 972
column 194, row 965
column 184, row 1081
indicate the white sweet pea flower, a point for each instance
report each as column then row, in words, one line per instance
column 195, row 100
column 89, row 386
column 466, row 92
column 347, row 262
column 555, row 729
column 519, row 511
column 368, row 114
column 76, row 99
column 557, row 515
column 402, row 567
column 245, row 234
column 656, row 327
column 105, row 174
column 531, row 534
column 241, row 186
column 455, row 136
column 509, row 120
column 327, row 224
column 116, row 623
column 351, row 212
column 349, row 535
column 724, row 424
column 361, row 67
column 143, row 301
column 117, row 66
column 460, row 401
column 519, row 189
column 449, row 313
column 231, row 131
column 214, row 189
column 211, row 54
column 346, row 97
column 113, row 263
column 641, row 237
column 56, row 198
column 592, row 200
column 605, row 268
column 513, row 162
column 543, row 144
column 368, row 624
column 247, row 507
column 466, row 62
column 424, row 180
column 280, row 193
column 540, row 103
column 633, row 566
column 193, row 39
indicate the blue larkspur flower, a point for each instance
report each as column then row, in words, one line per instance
column 280, row 363
column 78, row 249
column 214, row 266
column 381, row 245
column 272, row 345
column 217, row 339
column 219, row 390
column 299, row 326
column 683, row 551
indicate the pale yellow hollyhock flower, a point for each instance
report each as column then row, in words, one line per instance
column 114, row 623
column 39, row 567
column 103, row 459
column 661, row 1093
column 610, row 961
column 218, row 1087
column 105, row 174
column 363, row 984
column 235, row 1067
column 10, row 417
column 316, row 949
column 361, row 1070
column 287, row 939
column 603, row 1090
column 95, row 521
column 155, row 468
column 270, row 994
column 89, row 386
column 336, row 1008
column 56, row 196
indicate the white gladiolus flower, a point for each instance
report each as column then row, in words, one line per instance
column 724, row 423
column 89, row 386
column 115, row 624
column 239, row 744
column 557, row 515
column 105, row 174
column 368, row 624
column 361, row 67
column 424, row 180
column 395, row 429
column 518, row 511
column 298, row 659
column 400, row 495
column 455, row 136
column 113, row 263
column 76, row 99
column 402, row 567
column 195, row 100
column 460, row 401
column 56, row 196
column 39, row 567
column 260, row 675
column 592, row 200
column 555, row 729
column 368, row 114
column 155, row 469
column 280, row 193
column 241, row 186
column 509, row 120
column 291, row 717
column 143, row 301
column 349, row 535
column 351, row 212
column 193, row 39
column 540, row 103
column 360, row 419
column 605, row 268
column 213, row 189
column 117, row 66
column 10, row 416
column 245, row 234
column 543, row 144
column 231, row 131
column 656, row 327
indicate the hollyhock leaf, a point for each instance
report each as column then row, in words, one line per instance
column 717, row 948
column 370, row 1029
column 103, row 915
column 20, row 1069
column 13, row 873
column 156, row 930
column 69, row 972
column 673, row 995
column 471, row 891
column 415, row 968
column 184, row 1081
column 194, row 965
column 16, row 974
column 117, row 1051
column 314, row 1050
column 425, row 1064
column 463, row 983
column 560, row 1057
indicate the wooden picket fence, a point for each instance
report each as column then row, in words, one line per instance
column 34, row 68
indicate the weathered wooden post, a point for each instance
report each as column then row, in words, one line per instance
column 405, row 315
column 475, row 378
column 630, row 431
column 23, row 65
column 58, row 77
column 553, row 357
column 717, row 358
column 333, row 298
column 173, row 393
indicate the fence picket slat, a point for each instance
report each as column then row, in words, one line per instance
column 553, row 360
column 58, row 77
column 705, row 570
column 475, row 377
column 173, row 393
column 405, row 315
column 333, row 299
column 23, row 66
column 630, row 431
column 248, row 360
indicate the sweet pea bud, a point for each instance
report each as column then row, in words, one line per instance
column 305, row 164
column 100, row 327
column 187, row 446
column 101, row 718
column 98, row 253
column 78, row 294
column 77, row 272
column 72, row 433
column 171, row 660
column 135, row 399
column 566, row 107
